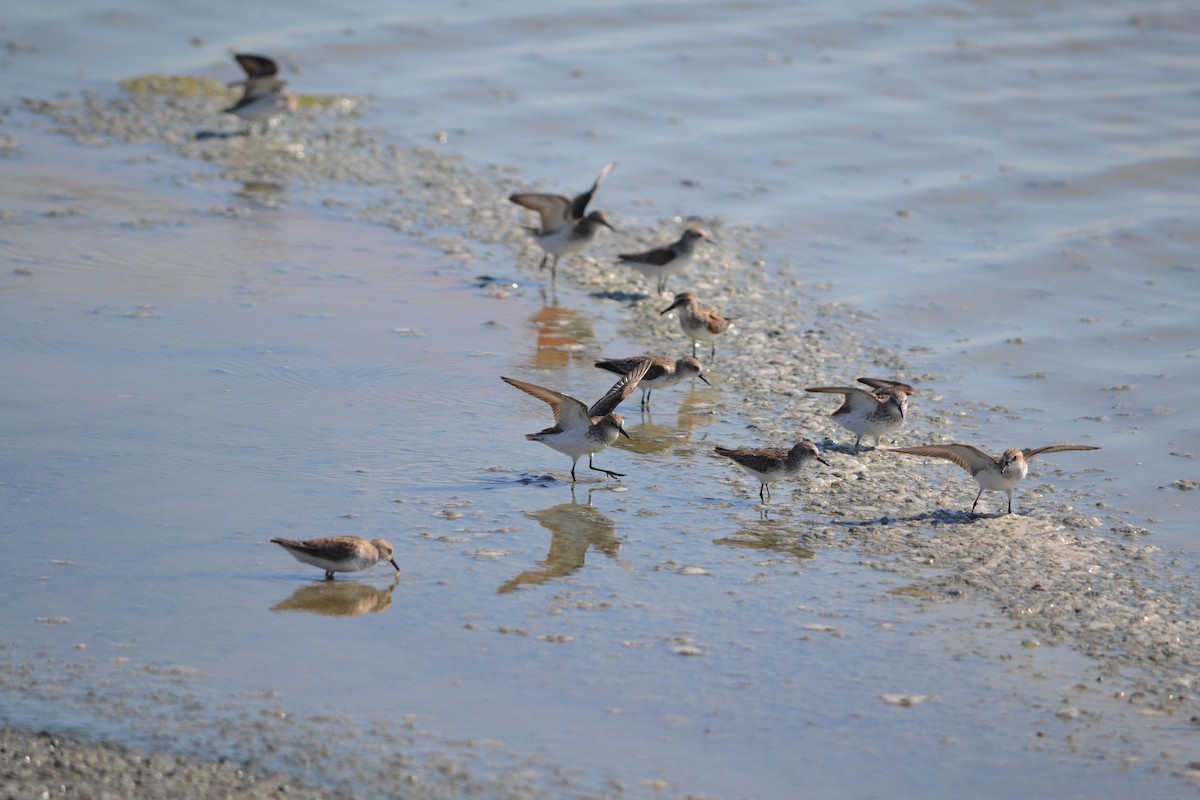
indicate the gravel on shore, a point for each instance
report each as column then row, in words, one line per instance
column 41, row 765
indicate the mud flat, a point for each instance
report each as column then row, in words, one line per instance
column 1067, row 569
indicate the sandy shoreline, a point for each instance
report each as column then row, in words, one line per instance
column 1068, row 570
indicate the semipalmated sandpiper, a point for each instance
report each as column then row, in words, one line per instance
column 663, row 262
column 567, row 228
column 992, row 474
column 340, row 553
column 870, row 413
column 579, row 431
column 699, row 324
column 770, row 465
column 663, row 371
column 263, row 94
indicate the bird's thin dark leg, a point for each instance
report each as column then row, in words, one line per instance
column 976, row 502
column 573, row 463
column 607, row 472
column 693, row 348
column 328, row 574
column 1010, row 501
column 713, row 352
column 545, row 258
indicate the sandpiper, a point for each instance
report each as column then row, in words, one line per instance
column 699, row 324
column 340, row 553
column 263, row 94
column 992, row 474
column 867, row 413
column 663, row 371
column 663, row 262
column 770, row 465
column 579, row 431
column 567, row 228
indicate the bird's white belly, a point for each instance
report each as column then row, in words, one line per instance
column 992, row 480
column 352, row 565
column 763, row 477
column 574, row 443
column 265, row 107
column 698, row 331
column 560, row 242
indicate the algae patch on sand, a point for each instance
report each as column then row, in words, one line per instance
column 188, row 87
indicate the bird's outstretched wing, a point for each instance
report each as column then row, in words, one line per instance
column 580, row 203
column 972, row 459
column 620, row 390
column 568, row 412
column 855, row 399
column 554, row 209
column 883, row 383
column 256, row 66
column 1030, row 452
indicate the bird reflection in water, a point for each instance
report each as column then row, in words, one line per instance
column 262, row 194
column 698, row 408
column 338, row 599
column 560, row 333
column 650, row 436
column 768, row 536
column 573, row 529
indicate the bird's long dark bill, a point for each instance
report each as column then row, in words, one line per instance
column 626, row 435
column 668, row 308
column 823, row 461
column 604, row 222
column 701, row 377
column 392, row 561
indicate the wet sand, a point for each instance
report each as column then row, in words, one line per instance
column 1067, row 569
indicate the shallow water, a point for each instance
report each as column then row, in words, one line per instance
column 192, row 383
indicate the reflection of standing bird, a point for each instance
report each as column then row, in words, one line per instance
column 992, row 474
column 574, row 529
column 339, row 553
column 663, row 372
column 663, row 262
column 866, row 413
column 771, row 465
column 699, row 324
column 579, row 431
column 567, row 228
column 263, row 96
column 338, row 599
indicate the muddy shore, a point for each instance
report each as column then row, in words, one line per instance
column 1067, row 569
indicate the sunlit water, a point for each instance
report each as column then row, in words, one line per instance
column 1009, row 194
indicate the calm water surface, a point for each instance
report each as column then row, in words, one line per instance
column 1010, row 194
